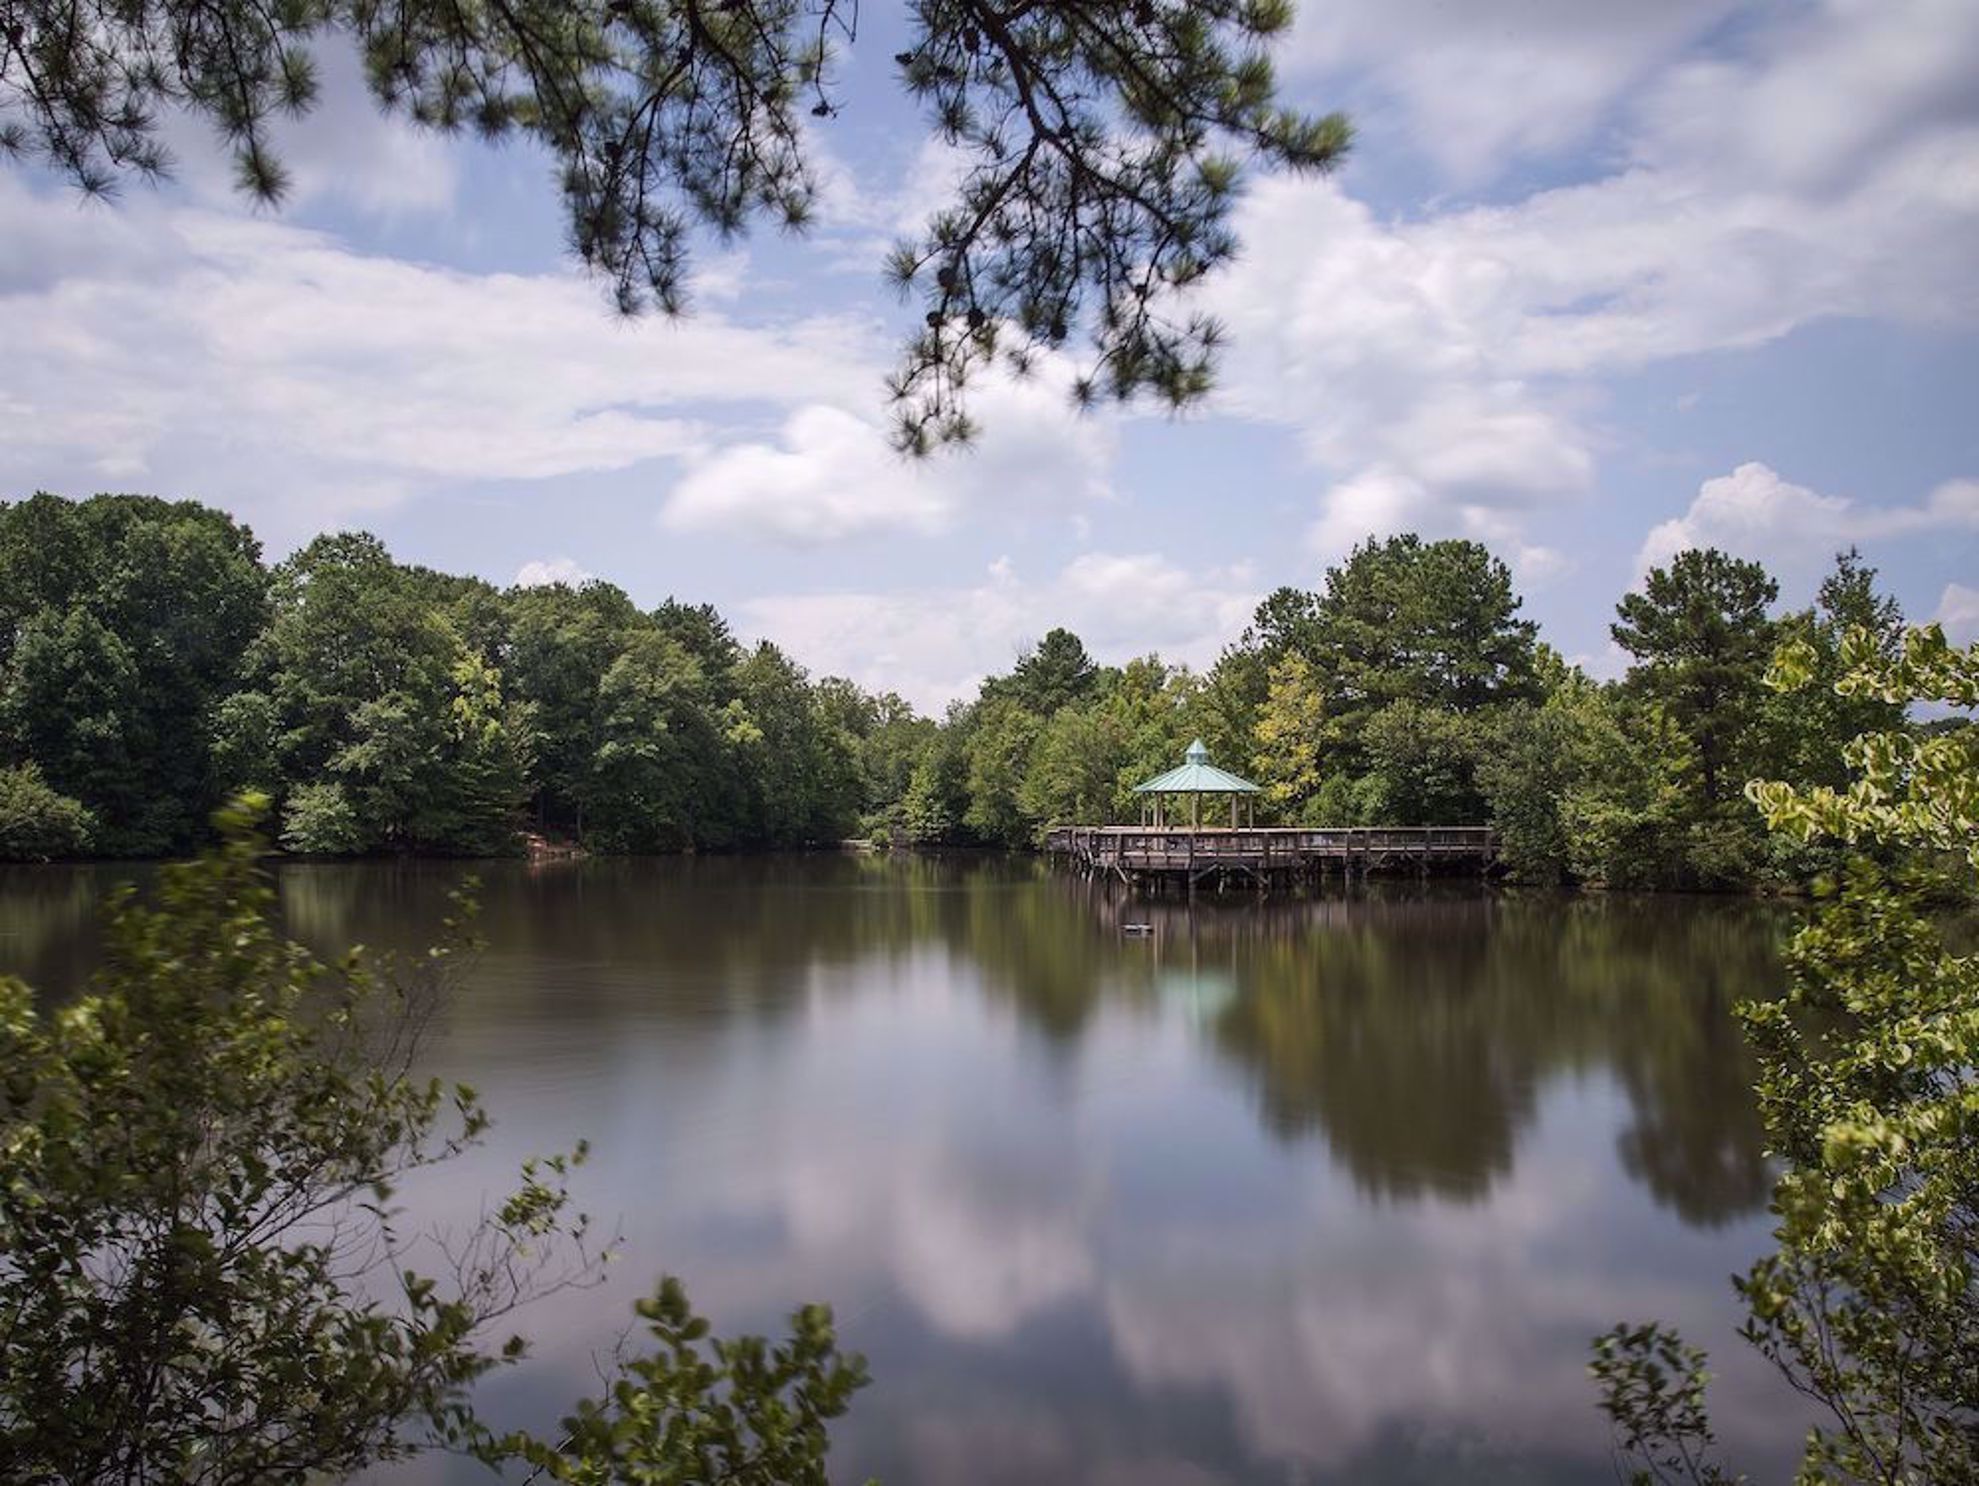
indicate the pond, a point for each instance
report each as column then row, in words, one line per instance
column 1325, row 1189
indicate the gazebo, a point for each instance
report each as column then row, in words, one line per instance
column 1197, row 777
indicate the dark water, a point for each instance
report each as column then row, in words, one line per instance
column 1330, row 1190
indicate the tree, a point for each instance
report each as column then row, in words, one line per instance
column 375, row 692
column 1869, row 1081
column 1101, row 143
column 800, row 775
column 886, row 739
column 1525, row 766
column 657, row 778
column 38, row 823
column 1422, row 764
column 1399, row 620
column 1700, row 638
column 1288, row 732
column 937, row 798
column 1802, row 733
column 201, row 1274
column 1073, row 773
column 124, row 621
column 1054, row 673
column 1432, row 622
column 998, row 748
column 562, row 641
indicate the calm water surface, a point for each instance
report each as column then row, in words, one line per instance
column 1324, row 1190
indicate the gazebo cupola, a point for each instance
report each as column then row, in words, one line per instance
column 1196, row 777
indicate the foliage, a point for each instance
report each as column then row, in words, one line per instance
column 1701, row 639
column 938, row 791
column 36, row 822
column 1870, row 1302
column 1421, row 766
column 1525, row 768
column 122, row 625
column 1430, row 625
column 1100, row 145
column 751, row 1415
column 1056, row 672
column 998, row 754
column 654, row 746
column 1287, row 731
column 1075, row 769
column 802, row 779
column 202, row 1274
column 393, row 708
column 319, row 821
column 1653, row 1384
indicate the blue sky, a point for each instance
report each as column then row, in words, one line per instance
column 1602, row 279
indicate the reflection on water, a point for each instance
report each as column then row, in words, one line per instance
column 1331, row 1189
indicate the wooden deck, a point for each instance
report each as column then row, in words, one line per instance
column 1269, row 855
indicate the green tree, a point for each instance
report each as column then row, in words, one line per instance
column 1073, row 774
column 319, row 820
column 1700, row 638
column 1422, row 764
column 1156, row 709
column 657, row 780
column 562, row 641
column 1101, row 145
column 1801, row 734
column 1054, row 673
column 1400, row 620
column 997, row 749
column 1433, row 622
column 705, row 635
column 1525, row 766
column 123, row 624
column 1869, row 1077
column 1288, row 750
column 376, row 692
column 201, row 1275
column 71, row 706
column 38, row 823
column 800, row 774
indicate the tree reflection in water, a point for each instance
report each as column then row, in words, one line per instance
column 1411, row 1028
column 1331, row 1189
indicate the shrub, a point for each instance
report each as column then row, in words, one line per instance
column 38, row 823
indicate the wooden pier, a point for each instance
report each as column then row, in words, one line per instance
column 1269, row 856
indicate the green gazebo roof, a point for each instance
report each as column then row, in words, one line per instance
column 1198, row 776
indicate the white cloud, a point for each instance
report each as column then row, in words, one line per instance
column 279, row 372
column 934, row 645
column 1483, row 83
column 1441, row 369
column 1958, row 612
column 831, row 474
column 1794, row 531
column 541, row 572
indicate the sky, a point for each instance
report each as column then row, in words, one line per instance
column 1600, row 280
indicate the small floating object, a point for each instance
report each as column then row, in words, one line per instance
column 1137, row 931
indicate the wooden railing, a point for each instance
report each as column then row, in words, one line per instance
column 1173, row 847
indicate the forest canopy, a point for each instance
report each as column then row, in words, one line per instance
column 153, row 664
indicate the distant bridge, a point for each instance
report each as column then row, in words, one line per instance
column 1269, row 856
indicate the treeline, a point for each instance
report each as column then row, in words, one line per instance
column 1407, row 690
column 151, row 665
